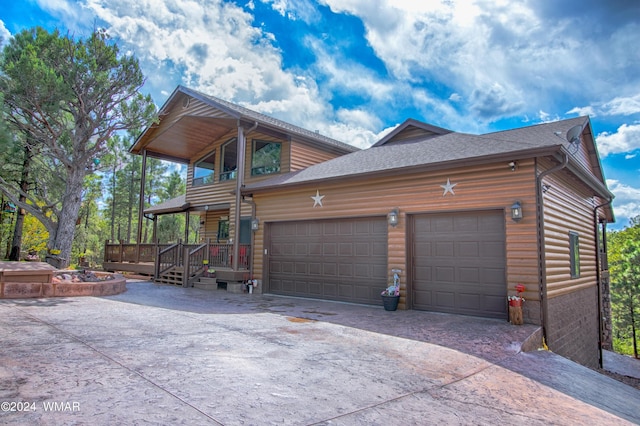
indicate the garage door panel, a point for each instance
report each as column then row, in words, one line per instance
column 494, row 304
column 469, row 275
column 468, row 249
column 444, row 299
column 346, row 270
column 315, row 269
column 346, row 258
column 301, row 268
column 459, row 263
column 302, row 286
column 346, row 249
column 346, row 291
column 330, row 269
column 493, row 276
column 329, row 249
column 445, row 275
column 315, row 288
column 442, row 224
column 444, row 248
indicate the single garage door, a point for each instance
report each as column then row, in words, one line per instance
column 459, row 263
column 342, row 259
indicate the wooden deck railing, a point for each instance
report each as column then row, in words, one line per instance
column 189, row 256
column 132, row 253
column 193, row 263
column 168, row 258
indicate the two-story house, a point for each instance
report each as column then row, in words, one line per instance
column 461, row 218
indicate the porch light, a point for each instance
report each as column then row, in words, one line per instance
column 393, row 217
column 516, row 211
column 255, row 224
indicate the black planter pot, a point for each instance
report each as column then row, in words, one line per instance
column 390, row 303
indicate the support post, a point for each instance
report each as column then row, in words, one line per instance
column 238, row 205
column 143, row 180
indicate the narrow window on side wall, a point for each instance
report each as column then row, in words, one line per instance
column 574, row 254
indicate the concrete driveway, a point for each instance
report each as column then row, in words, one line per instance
column 167, row 355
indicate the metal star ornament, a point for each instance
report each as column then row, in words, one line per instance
column 317, row 199
column 448, row 187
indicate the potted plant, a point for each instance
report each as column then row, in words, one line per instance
column 391, row 295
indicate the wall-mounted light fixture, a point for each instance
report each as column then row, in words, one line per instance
column 206, row 208
column 512, row 166
column 394, row 217
column 545, row 188
column 516, row 211
column 255, row 224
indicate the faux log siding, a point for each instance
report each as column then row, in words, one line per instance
column 564, row 211
column 304, row 155
column 486, row 187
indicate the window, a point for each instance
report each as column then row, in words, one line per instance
column 223, row 229
column 229, row 156
column 574, row 254
column 265, row 158
column 203, row 170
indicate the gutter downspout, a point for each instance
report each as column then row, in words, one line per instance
column 599, row 271
column 544, row 307
column 253, row 235
column 240, row 157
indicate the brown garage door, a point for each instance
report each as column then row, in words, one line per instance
column 459, row 263
column 328, row 259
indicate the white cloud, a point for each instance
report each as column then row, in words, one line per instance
column 626, row 205
column 625, row 106
column 214, row 47
column 5, row 35
column 503, row 57
column 625, row 139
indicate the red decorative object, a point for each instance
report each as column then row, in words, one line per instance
column 515, row 302
column 520, row 288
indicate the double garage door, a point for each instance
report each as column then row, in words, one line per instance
column 343, row 260
column 457, row 263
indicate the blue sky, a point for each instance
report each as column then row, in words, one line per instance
column 354, row 69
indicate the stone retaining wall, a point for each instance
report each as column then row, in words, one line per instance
column 26, row 290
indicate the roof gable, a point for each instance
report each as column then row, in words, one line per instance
column 411, row 130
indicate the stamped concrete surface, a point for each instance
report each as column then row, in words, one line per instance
column 167, row 355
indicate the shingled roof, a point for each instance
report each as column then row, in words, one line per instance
column 435, row 152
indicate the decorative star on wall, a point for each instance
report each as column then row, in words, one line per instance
column 448, row 187
column 317, row 199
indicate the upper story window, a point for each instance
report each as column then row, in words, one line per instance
column 229, row 154
column 265, row 158
column 574, row 254
column 204, row 170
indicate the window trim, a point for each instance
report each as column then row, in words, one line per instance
column 574, row 254
column 253, row 153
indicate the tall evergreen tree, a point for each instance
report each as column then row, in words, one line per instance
column 624, row 265
column 68, row 97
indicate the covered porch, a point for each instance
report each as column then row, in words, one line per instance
column 216, row 256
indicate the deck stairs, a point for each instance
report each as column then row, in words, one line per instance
column 173, row 276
